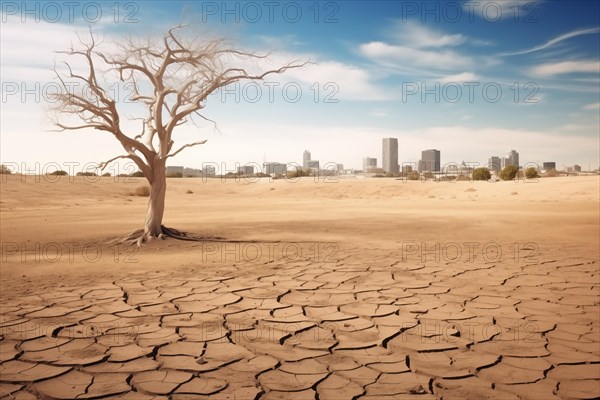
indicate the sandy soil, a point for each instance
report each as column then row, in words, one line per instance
column 371, row 288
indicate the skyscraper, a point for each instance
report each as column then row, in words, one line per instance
column 513, row 158
column 494, row 164
column 390, row 155
column 430, row 161
column 305, row 159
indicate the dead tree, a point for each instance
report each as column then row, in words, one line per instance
column 171, row 79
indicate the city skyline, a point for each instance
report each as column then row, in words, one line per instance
column 365, row 84
column 430, row 161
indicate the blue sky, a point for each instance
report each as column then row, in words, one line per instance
column 473, row 79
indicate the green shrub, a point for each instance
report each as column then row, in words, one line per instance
column 175, row 175
column 509, row 173
column 413, row 176
column 106, row 174
column 481, row 174
column 531, row 173
column 59, row 173
column 138, row 174
column 298, row 172
column 86, row 174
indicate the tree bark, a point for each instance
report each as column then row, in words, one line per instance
column 156, row 203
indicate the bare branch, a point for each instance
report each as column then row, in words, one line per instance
column 186, row 146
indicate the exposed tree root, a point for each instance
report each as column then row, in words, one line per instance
column 139, row 237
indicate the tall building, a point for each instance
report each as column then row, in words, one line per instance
column 430, row 161
column 494, row 164
column 513, row 158
column 305, row 159
column 548, row 166
column 577, row 168
column 369, row 163
column 390, row 155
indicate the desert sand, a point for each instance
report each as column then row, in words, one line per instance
column 355, row 288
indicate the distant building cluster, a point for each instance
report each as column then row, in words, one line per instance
column 429, row 163
column 496, row 163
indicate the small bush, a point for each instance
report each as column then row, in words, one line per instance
column 509, row 173
column 429, row 175
column 141, row 191
column 4, row 170
column 106, row 174
column 175, row 175
column 447, row 178
column 138, row 174
column 297, row 173
column 481, row 174
column 412, row 176
column 531, row 173
column 463, row 178
column 551, row 173
column 59, row 173
column 86, row 174
column 189, row 192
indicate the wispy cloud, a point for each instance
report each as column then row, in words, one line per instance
column 494, row 10
column 592, row 106
column 420, row 36
column 566, row 67
column 419, row 50
column 459, row 78
column 554, row 41
column 393, row 55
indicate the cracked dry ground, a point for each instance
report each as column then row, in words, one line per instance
column 304, row 330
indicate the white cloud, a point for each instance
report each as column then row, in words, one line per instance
column 393, row 55
column 353, row 83
column 379, row 113
column 566, row 67
column 593, row 107
column 419, row 36
column 494, row 10
column 459, row 78
column 554, row 41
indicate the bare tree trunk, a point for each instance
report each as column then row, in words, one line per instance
column 156, row 203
